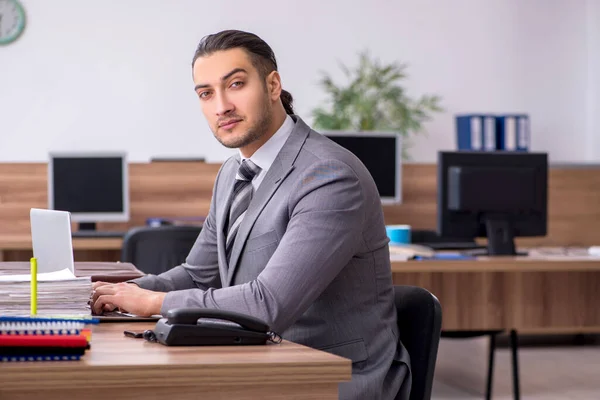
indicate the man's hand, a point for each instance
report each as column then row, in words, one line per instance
column 127, row 298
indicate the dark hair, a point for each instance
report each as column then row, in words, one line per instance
column 261, row 55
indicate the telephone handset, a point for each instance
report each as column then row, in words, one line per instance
column 200, row 326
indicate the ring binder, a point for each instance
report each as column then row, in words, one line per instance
column 42, row 339
column 491, row 132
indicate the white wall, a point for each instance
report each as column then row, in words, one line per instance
column 116, row 75
column 552, row 62
column 593, row 109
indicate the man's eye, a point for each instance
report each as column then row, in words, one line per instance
column 237, row 84
column 203, row 95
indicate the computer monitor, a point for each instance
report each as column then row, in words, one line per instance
column 497, row 195
column 93, row 187
column 381, row 153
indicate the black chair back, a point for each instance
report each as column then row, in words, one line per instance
column 154, row 250
column 420, row 324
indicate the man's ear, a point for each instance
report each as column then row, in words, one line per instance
column 274, row 85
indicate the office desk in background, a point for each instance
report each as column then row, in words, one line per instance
column 18, row 247
column 120, row 367
column 536, row 294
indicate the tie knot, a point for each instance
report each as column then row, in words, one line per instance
column 247, row 171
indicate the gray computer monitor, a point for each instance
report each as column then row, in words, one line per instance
column 381, row 153
column 93, row 187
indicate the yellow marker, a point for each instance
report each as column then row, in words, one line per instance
column 33, row 286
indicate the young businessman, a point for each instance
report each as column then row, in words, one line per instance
column 295, row 233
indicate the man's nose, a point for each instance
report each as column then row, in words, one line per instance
column 224, row 106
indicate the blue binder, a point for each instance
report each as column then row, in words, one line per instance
column 514, row 132
column 476, row 132
column 490, row 132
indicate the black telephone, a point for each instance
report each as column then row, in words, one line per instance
column 210, row 327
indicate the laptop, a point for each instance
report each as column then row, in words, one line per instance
column 51, row 240
column 53, row 248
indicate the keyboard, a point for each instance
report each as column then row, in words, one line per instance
column 97, row 234
column 118, row 316
column 454, row 246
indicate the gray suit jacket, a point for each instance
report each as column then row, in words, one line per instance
column 310, row 259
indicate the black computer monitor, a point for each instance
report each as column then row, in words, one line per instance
column 497, row 195
column 92, row 187
column 381, row 153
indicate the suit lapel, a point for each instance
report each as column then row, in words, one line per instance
column 227, row 180
column 280, row 169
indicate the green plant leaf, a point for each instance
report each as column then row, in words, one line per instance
column 373, row 99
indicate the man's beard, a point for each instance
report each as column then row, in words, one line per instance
column 255, row 132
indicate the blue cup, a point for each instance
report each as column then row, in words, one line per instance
column 398, row 234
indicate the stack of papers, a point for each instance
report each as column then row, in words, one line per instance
column 59, row 293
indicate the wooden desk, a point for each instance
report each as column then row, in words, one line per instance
column 23, row 242
column 117, row 367
column 17, row 247
column 530, row 294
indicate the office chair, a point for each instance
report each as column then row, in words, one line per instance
column 154, row 250
column 420, row 324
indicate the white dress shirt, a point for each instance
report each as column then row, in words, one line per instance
column 266, row 154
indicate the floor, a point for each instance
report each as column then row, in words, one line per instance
column 557, row 372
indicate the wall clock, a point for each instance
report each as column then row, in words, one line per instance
column 12, row 21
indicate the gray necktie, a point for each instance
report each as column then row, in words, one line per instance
column 242, row 194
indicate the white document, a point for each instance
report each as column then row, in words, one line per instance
column 59, row 293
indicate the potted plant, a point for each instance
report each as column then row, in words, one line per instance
column 374, row 100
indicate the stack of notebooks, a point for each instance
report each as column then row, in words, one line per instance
column 59, row 294
column 43, row 339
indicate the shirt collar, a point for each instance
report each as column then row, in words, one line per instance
column 266, row 154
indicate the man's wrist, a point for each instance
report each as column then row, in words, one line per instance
column 158, row 302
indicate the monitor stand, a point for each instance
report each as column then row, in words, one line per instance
column 500, row 236
column 87, row 226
